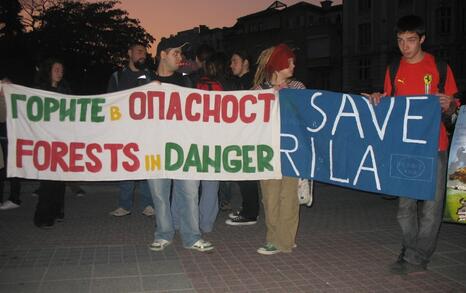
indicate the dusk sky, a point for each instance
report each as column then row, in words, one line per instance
column 163, row 18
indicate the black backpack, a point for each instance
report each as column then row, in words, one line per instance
column 441, row 68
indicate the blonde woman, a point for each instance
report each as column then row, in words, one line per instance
column 275, row 68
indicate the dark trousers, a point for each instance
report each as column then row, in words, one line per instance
column 250, row 195
column 15, row 185
column 420, row 220
column 51, row 202
column 15, row 189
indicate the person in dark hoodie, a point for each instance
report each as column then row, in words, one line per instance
column 240, row 64
column 51, row 202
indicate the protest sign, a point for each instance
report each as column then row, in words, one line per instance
column 343, row 139
column 455, row 203
column 166, row 131
column 153, row 131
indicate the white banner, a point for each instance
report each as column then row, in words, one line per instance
column 153, row 131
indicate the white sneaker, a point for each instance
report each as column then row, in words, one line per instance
column 201, row 245
column 9, row 205
column 120, row 212
column 159, row 244
column 233, row 215
column 148, row 211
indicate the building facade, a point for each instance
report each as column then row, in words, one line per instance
column 369, row 41
column 314, row 32
column 343, row 47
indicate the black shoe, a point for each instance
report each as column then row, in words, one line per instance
column 60, row 218
column 402, row 267
column 46, row 226
column 240, row 221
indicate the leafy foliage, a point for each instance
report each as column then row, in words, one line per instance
column 10, row 20
column 92, row 38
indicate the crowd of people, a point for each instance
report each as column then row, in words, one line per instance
column 191, row 206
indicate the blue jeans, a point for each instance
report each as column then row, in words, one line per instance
column 186, row 196
column 208, row 205
column 126, row 194
column 420, row 230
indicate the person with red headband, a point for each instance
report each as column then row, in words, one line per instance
column 275, row 67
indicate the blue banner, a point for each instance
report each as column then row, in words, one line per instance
column 344, row 140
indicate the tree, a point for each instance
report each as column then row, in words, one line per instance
column 33, row 9
column 10, row 20
column 91, row 37
column 13, row 53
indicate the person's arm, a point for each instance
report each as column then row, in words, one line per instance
column 447, row 102
column 375, row 98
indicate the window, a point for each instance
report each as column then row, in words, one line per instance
column 443, row 20
column 290, row 22
column 364, row 34
column 464, row 20
column 302, row 21
column 364, row 69
column 405, row 3
column 310, row 20
column 462, row 65
column 364, row 5
column 318, row 47
column 338, row 19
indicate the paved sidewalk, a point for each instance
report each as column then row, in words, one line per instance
column 345, row 242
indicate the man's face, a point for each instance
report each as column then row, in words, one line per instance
column 172, row 58
column 236, row 64
column 137, row 55
column 410, row 44
column 56, row 74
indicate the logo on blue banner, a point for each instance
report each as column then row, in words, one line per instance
column 345, row 140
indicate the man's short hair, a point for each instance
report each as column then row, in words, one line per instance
column 411, row 23
column 172, row 43
column 243, row 55
column 135, row 44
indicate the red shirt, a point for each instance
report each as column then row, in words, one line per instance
column 413, row 79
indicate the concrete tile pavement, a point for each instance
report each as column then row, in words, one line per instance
column 345, row 242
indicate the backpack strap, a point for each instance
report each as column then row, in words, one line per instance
column 393, row 70
column 442, row 72
column 115, row 77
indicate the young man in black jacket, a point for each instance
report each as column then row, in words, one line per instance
column 132, row 75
